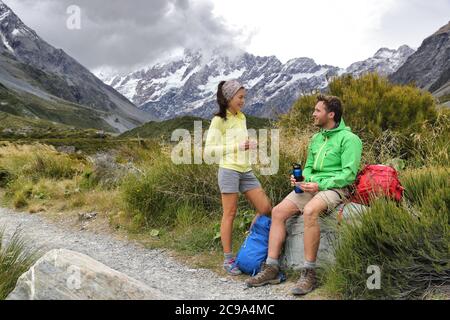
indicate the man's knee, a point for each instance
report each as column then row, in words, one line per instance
column 311, row 213
column 278, row 214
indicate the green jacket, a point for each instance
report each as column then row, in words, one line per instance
column 333, row 158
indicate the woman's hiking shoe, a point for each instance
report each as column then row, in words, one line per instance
column 231, row 267
column 269, row 274
column 306, row 283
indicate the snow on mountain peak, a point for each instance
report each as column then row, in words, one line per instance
column 385, row 53
column 385, row 61
column 187, row 84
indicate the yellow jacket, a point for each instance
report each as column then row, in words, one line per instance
column 223, row 139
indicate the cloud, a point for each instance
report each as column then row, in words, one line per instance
column 126, row 34
column 334, row 32
column 411, row 21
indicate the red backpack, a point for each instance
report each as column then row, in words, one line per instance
column 376, row 180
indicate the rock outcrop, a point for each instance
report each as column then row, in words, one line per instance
column 68, row 275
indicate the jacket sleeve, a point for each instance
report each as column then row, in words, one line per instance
column 215, row 140
column 350, row 159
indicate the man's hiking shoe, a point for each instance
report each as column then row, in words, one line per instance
column 306, row 283
column 269, row 274
column 231, row 267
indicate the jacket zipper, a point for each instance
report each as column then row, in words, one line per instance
column 321, row 164
column 315, row 162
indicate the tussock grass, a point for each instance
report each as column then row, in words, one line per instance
column 37, row 161
column 155, row 194
column 15, row 259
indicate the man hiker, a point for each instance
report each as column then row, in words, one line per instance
column 333, row 159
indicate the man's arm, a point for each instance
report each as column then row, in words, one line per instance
column 350, row 159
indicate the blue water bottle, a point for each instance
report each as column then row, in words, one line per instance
column 297, row 173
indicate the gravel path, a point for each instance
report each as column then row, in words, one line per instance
column 152, row 267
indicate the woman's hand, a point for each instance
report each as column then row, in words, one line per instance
column 248, row 144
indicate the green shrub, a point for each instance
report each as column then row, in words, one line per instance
column 371, row 104
column 409, row 242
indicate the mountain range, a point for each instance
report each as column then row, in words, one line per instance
column 187, row 85
column 33, row 70
column 38, row 81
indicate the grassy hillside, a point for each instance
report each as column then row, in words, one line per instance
column 33, row 107
column 12, row 125
column 164, row 129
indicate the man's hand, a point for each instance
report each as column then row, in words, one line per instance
column 292, row 180
column 308, row 186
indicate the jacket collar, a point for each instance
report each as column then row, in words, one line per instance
column 340, row 127
column 239, row 114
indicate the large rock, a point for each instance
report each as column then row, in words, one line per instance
column 67, row 275
column 293, row 253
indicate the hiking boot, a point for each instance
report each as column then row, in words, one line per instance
column 306, row 283
column 267, row 275
column 231, row 267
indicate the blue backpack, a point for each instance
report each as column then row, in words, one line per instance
column 253, row 251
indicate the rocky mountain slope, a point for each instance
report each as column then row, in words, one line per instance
column 385, row 61
column 429, row 66
column 29, row 64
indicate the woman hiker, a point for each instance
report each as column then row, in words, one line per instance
column 228, row 141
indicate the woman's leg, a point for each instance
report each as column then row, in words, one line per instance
column 260, row 201
column 229, row 204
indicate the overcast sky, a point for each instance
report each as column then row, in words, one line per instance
column 129, row 34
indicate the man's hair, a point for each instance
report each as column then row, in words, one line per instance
column 332, row 104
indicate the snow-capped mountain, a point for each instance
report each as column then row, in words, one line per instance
column 29, row 64
column 385, row 61
column 188, row 85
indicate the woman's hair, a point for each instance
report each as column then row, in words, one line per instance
column 222, row 102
